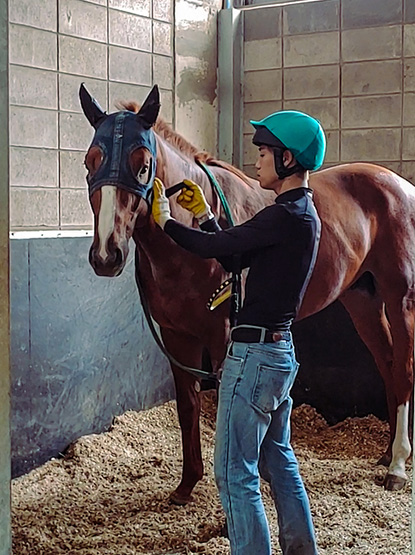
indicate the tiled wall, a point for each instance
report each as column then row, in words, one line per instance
column 346, row 62
column 119, row 48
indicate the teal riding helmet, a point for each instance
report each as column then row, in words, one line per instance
column 294, row 131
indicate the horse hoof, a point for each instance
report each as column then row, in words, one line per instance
column 394, row 483
column 180, row 499
column 385, row 460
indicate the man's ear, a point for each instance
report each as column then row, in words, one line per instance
column 287, row 158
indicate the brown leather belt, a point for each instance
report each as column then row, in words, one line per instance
column 258, row 335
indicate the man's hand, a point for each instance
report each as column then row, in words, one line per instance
column 160, row 208
column 192, row 198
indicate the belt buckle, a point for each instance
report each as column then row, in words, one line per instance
column 276, row 336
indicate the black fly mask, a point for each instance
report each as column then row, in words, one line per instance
column 117, row 135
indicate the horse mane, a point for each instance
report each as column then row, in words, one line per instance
column 165, row 131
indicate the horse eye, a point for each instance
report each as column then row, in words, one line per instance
column 93, row 159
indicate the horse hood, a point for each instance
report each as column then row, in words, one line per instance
column 118, row 136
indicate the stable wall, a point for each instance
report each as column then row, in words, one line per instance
column 195, row 93
column 81, row 349
column 5, row 529
column 349, row 63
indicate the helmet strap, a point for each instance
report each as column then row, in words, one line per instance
column 281, row 170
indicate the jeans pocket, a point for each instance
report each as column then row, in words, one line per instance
column 231, row 371
column 272, row 386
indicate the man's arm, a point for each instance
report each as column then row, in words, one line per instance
column 261, row 231
column 211, row 226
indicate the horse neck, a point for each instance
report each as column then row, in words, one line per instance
column 172, row 167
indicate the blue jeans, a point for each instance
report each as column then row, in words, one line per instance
column 252, row 438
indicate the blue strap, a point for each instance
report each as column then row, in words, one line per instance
column 201, row 374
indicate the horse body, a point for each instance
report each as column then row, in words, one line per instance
column 366, row 259
column 368, row 214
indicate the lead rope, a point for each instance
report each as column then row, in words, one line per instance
column 195, row 371
column 235, row 297
column 219, row 192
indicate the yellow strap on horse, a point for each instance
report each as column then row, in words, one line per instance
column 220, row 295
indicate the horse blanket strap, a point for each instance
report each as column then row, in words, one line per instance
column 201, row 374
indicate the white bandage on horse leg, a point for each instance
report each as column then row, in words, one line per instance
column 401, row 448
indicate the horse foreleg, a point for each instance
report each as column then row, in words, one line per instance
column 186, row 350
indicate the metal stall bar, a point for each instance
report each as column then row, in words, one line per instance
column 5, row 531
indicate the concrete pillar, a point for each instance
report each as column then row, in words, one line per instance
column 5, row 536
column 230, row 83
column 195, row 66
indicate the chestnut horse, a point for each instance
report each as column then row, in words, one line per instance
column 366, row 259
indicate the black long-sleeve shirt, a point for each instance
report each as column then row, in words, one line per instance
column 279, row 245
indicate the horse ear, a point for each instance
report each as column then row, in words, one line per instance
column 150, row 109
column 92, row 110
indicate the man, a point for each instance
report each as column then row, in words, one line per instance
column 279, row 245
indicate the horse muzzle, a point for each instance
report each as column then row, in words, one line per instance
column 110, row 265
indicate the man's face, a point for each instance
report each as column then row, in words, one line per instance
column 265, row 166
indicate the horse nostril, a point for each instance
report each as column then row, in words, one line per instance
column 92, row 258
column 117, row 257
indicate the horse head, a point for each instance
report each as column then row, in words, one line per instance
column 121, row 164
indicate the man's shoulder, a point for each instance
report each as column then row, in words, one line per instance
column 300, row 208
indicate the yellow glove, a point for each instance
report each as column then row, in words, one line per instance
column 160, row 208
column 192, row 198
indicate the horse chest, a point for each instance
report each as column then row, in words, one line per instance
column 178, row 299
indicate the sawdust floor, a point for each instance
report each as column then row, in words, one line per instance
column 109, row 494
